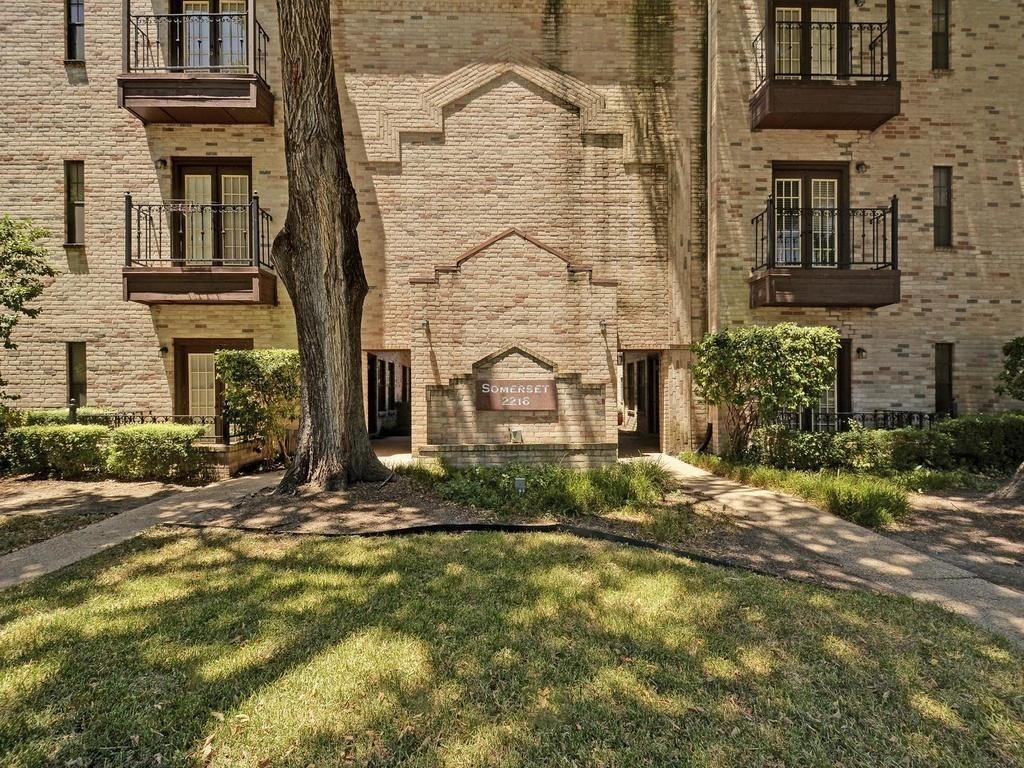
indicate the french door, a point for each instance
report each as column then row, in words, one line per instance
column 809, row 217
column 213, row 214
column 211, row 35
column 807, row 39
column 199, row 394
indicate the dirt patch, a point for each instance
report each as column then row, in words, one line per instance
column 35, row 510
column 363, row 508
column 968, row 530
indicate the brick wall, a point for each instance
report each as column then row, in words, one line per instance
column 969, row 118
column 582, row 125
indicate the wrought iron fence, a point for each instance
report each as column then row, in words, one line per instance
column 197, row 42
column 827, row 237
column 217, row 428
column 186, row 234
column 824, row 50
column 831, row 421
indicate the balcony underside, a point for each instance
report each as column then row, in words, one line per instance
column 824, row 104
column 199, row 285
column 847, row 288
column 196, row 98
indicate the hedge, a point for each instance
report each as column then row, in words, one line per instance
column 62, row 451
column 137, row 452
column 983, row 443
column 157, row 452
column 34, row 417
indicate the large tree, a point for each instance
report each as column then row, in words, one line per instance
column 317, row 256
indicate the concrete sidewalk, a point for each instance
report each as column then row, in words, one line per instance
column 67, row 548
column 876, row 562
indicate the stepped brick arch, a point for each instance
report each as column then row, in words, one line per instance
column 428, row 116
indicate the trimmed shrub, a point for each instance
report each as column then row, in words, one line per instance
column 62, row 451
column 262, row 390
column 753, row 372
column 34, row 417
column 158, row 452
column 983, row 443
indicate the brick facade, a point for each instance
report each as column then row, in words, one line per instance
column 613, row 136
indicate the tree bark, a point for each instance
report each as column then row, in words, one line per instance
column 317, row 257
column 1014, row 489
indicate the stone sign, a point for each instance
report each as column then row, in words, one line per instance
column 516, row 395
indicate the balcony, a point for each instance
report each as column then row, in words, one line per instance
column 826, row 257
column 825, row 75
column 195, row 68
column 188, row 253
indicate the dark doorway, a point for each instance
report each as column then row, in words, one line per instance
column 945, row 402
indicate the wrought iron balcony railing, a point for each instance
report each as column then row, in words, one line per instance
column 824, row 238
column 186, row 43
column 186, row 234
column 817, row 50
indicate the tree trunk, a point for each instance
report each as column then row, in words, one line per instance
column 317, row 257
column 1014, row 489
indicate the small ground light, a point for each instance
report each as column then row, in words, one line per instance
column 520, row 483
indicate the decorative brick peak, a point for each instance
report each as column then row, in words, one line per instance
column 428, row 115
column 514, row 349
column 571, row 269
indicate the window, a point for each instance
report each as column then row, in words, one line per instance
column 210, row 34
column 945, row 403
column 77, row 389
column 213, row 222
column 943, row 194
column 810, row 200
column 74, row 202
column 940, row 34
column 74, row 11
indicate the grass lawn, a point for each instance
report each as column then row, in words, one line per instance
column 35, row 510
column 230, row 649
column 17, row 531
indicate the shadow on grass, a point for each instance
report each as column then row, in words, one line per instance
column 482, row 649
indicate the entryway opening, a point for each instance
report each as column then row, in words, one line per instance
column 639, row 402
column 389, row 401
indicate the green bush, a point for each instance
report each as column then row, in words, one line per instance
column 753, row 372
column 262, row 389
column 863, row 499
column 9, row 419
column 1011, row 378
column 157, row 452
column 550, row 489
column 983, row 444
column 38, row 417
column 63, row 451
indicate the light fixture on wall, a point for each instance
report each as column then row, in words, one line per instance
column 163, row 351
column 603, row 325
column 861, row 353
column 862, row 167
column 860, row 3
column 161, row 163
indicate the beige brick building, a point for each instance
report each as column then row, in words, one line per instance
column 554, row 194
